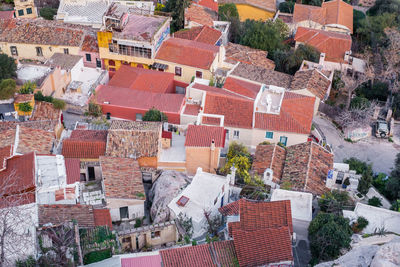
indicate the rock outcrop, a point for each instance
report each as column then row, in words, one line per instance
column 164, row 189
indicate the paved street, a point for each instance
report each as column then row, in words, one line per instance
column 380, row 152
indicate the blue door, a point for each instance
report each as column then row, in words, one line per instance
column 283, row 140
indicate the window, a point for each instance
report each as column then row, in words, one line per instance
column 227, row 134
column 83, row 177
column 199, row 74
column 91, row 173
column 88, row 57
column 178, row 71
column 123, row 213
column 131, row 50
column 20, row 12
column 283, row 140
column 111, row 62
column 39, row 51
column 236, row 134
column 29, row 10
column 139, row 117
column 98, row 63
column 269, row 135
column 66, row 51
column 14, row 51
column 155, row 234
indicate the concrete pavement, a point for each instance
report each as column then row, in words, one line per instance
column 380, row 152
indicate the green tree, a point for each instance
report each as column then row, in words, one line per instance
column 376, row 202
column 358, row 16
column 25, row 107
column 396, row 205
column 48, row 13
column 328, row 234
column 333, row 202
column 177, row 9
column 154, row 115
column 287, row 7
column 242, row 165
column 289, row 61
column 27, row 88
column 393, row 183
column 372, row 90
column 7, row 88
column 59, row 104
column 8, row 67
column 312, row 2
column 227, row 12
column 366, row 173
column 359, row 102
column 385, row 6
column 268, row 36
column 237, row 149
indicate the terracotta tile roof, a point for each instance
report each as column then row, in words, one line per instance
column 334, row 45
column 102, row 217
column 57, row 214
column 268, row 5
column 220, row 253
column 73, row 170
column 35, row 140
column 262, row 75
column 22, row 98
column 270, row 156
column 231, row 209
column 142, row 79
column 263, row 247
column 83, row 149
column 148, row 261
column 211, row 4
column 203, row 34
column 238, row 112
column 19, row 177
column 306, row 167
column 191, row 109
column 46, row 125
column 7, row 137
column 239, row 53
column 202, row 136
column 5, row 152
column 262, row 215
column 188, row 53
column 295, row 115
column 39, row 31
column 63, row 61
column 216, row 90
column 122, row 178
column 45, row 111
column 89, row 135
column 201, row 15
column 335, row 12
column 85, row 144
column 10, row 14
column 136, row 99
column 90, row 44
column 242, row 87
column 312, row 80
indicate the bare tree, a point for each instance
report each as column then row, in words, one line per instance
column 214, row 222
column 359, row 116
column 17, row 226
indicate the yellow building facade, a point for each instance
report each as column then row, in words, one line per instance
column 25, row 9
column 251, row 12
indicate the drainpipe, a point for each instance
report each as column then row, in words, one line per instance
column 212, row 155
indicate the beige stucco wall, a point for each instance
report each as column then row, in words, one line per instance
column 56, row 82
column 292, row 138
column 28, row 51
column 245, row 136
column 201, row 157
column 23, row 5
column 135, row 208
column 187, row 71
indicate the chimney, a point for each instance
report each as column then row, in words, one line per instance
column 212, row 156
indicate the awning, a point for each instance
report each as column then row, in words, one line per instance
column 159, row 66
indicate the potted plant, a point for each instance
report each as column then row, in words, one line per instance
column 346, row 183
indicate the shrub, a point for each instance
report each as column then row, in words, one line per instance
column 154, row 115
column 8, row 67
column 48, row 13
column 96, row 256
column 227, row 12
column 7, row 88
column 59, row 104
column 359, row 225
column 366, row 173
column 40, row 97
column 376, row 202
column 286, row 7
column 333, row 202
column 94, row 109
column 138, row 223
column 27, row 88
column 328, row 234
column 25, row 107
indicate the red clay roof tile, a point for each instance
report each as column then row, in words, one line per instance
column 203, row 34
column 242, row 87
column 201, row 15
column 102, row 217
column 73, row 170
column 202, row 136
column 188, row 53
